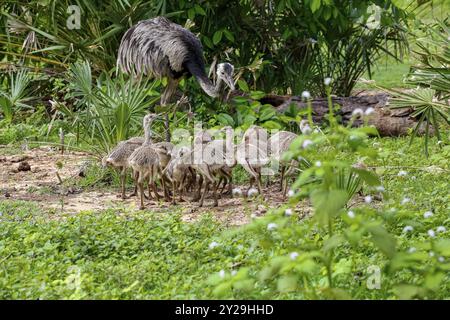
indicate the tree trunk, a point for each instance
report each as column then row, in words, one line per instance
column 389, row 122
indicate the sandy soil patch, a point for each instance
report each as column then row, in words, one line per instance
column 40, row 183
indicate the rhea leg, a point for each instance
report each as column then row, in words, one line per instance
column 141, row 190
column 207, row 182
column 165, row 100
column 283, row 168
column 123, row 175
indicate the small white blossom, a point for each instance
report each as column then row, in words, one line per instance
column 402, row 173
column 307, row 143
column 405, row 200
column 441, row 259
column 213, row 244
column 271, row 226
column 237, row 192
column 304, row 127
column 368, row 199
column 441, row 229
column 413, row 178
column 380, row 188
column 291, row 193
column 439, row 142
column 293, row 255
column 428, row 214
column 431, row 254
column 252, row 192
column 327, row 81
column 318, row 164
column 222, row 273
column 431, row 233
column 351, row 214
column 408, row 229
column 412, row 250
column 357, row 112
column 288, row 212
column 369, row 111
column 306, row 94
column 233, row 273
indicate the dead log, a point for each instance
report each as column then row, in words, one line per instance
column 389, row 122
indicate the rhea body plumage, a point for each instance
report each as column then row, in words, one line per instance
column 118, row 158
column 160, row 48
column 145, row 161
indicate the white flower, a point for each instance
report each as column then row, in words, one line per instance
column 439, row 142
column 368, row 199
column 431, row 254
column 307, row 143
column 427, row 214
column 293, row 255
column 351, row 214
column 412, row 250
column 291, row 193
column 441, row 259
column 402, row 173
column 441, row 229
column 233, row 273
column 213, row 244
column 222, row 273
column 405, row 200
column 252, row 192
column 318, row 164
column 304, row 127
column 369, row 111
column 327, row 81
column 431, row 233
column 413, row 178
column 237, row 192
column 288, row 212
column 271, row 226
column 380, row 188
column 306, row 94
column 357, row 112
column 408, row 229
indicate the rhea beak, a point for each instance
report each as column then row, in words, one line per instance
column 229, row 81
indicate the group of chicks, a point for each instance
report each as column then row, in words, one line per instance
column 180, row 170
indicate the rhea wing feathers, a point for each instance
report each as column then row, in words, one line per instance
column 158, row 47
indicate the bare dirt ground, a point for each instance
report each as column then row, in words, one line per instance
column 33, row 176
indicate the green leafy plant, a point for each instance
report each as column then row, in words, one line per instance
column 430, row 99
column 17, row 96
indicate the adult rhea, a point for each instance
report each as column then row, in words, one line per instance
column 160, row 48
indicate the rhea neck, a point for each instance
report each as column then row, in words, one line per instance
column 211, row 89
column 148, row 134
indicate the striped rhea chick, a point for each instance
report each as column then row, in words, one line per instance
column 252, row 154
column 145, row 161
column 216, row 164
column 178, row 171
column 164, row 150
column 279, row 143
column 118, row 158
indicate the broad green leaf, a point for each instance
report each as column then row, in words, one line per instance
column 243, row 85
column 217, row 37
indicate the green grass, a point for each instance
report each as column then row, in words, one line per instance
column 388, row 73
column 154, row 255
